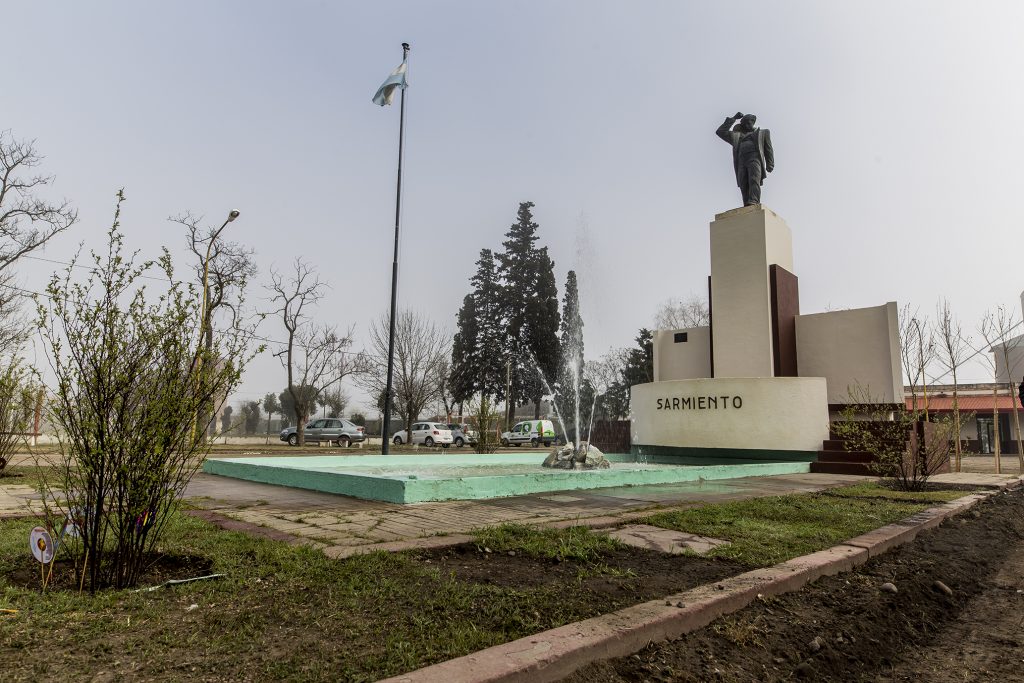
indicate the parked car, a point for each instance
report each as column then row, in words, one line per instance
column 426, row 433
column 533, row 432
column 462, row 434
column 331, row 429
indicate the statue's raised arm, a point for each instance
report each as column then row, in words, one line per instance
column 724, row 131
column 752, row 154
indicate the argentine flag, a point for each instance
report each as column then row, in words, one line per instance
column 386, row 92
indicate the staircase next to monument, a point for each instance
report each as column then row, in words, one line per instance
column 834, row 458
column 838, row 457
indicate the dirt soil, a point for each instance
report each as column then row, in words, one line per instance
column 159, row 568
column 844, row 628
column 620, row 578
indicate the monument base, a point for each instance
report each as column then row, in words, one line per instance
column 730, row 420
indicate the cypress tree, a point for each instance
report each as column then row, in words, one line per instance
column 542, row 321
column 490, row 347
column 530, row 306
column 465, row 352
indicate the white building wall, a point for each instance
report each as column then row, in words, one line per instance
column 1009, row 360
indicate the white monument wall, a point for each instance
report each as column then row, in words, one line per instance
column 851, row 347
column 690, row 359
column 772, row 413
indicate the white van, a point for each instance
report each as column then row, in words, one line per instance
column 533, row 432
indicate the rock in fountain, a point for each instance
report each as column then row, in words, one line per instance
column 568, row 457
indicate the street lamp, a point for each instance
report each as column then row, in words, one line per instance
column 206, row 272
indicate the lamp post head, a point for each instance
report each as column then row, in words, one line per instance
column 232, row 216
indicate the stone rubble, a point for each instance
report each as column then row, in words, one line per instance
column 568, row 457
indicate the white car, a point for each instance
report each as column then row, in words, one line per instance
column 426, row 433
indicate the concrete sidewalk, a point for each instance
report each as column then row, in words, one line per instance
column 338, row 522
column 344, row 524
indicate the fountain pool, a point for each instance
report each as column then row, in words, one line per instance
column 451, row 476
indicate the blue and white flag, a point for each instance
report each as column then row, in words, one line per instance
column 386, row 92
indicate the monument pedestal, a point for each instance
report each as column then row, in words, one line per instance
column 745, row 244
column 748, row 405
column 730, row 420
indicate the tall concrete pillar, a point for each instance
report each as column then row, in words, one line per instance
column 745, row 243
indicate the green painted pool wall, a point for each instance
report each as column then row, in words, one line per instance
column 678, row 455
column 366, row 487
column 304, row 474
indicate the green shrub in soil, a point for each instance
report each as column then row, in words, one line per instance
column 766, row 531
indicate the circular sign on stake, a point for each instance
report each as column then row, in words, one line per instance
column 41, row 545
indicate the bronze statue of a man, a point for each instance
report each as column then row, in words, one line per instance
column 752, row 154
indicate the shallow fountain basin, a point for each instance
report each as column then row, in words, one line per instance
column 456, row 476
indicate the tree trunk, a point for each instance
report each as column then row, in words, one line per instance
column 956, row 422
column 995, row 425
column 300, row 422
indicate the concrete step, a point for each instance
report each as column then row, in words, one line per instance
column 842, row 468
column 845, row 456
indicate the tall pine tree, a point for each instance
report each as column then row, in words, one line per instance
column 530, row 307
column 462, row 374
column 490, row 347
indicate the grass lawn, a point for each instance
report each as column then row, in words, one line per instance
column 282, row 613
column 766, row 531
column 289, row 613
column 20, row 475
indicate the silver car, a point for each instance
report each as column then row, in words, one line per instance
column 330, row 429
column 462, row 434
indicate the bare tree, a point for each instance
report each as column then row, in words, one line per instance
column 27, row 222
column 17, row 403
column 606, row 373
column 917, row 351
column 421, row 355
column 997, row 329
column 680, row 313
column 228, row 270
column 953, row 351
column 316, row 357
column 333, row 400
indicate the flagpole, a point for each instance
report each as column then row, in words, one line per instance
column 385, row 439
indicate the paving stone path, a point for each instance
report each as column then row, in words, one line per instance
column 341, row 525
column 338, row 522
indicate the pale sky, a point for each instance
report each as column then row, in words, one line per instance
column 893, row 125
